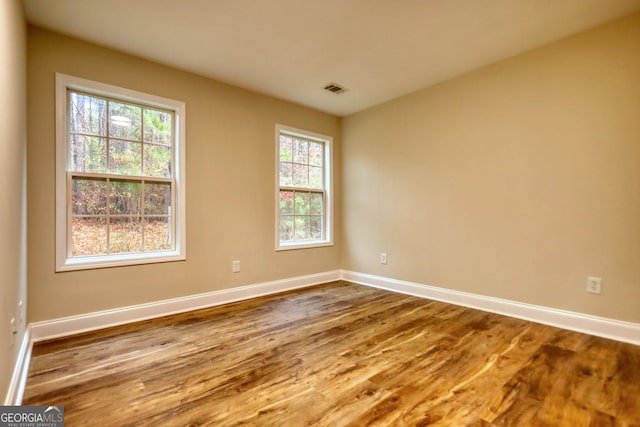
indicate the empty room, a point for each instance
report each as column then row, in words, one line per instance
column 329, row 213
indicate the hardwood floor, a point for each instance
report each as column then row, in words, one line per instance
column 333, row 355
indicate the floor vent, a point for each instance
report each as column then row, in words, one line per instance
column 335, row 88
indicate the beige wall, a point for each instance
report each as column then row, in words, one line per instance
column 13, row 134
column 515, row 181
column 230, row 184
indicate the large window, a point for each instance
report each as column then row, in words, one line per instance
column 304, row 203
column 120, row 176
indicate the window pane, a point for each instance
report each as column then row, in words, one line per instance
column 87, row 114
column 125, row 157
column 315, row 204
column 88, row 154
column 88, row 236
column 88, row 196
column 157, row 161
column 286, row 202
column 300, row 175
column 124, row 198
column 300, row 151
column 286, row 228
column 124, row 120
column 286, row 148
column 315, row 225
column 157, row 234
column 301, row 203
column 157, row 199
column 157, row 126
column 302, row 228
column 316, row 151
column 315, row 177
column 286, row 173
column 125, row 235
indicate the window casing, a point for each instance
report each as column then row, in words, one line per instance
column 304, row 204
column 120, row 190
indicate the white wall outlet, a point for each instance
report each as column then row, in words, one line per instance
column 235, row 266
column 383, row 258
column 594, row 285
column 14, row 329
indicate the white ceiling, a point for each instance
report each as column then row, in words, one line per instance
column 378, row 49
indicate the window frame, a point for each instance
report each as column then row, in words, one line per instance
column 64, row 260
column 328, row 188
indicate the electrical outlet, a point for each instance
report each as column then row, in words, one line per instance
column 14, row 329
column 594, row 285
column 235, row 266
column 383, row 258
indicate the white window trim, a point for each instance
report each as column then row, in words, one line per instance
column 328, row 177
column 63, row 261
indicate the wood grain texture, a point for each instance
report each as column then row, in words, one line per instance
column 337, row 355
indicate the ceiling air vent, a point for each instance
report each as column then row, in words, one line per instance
column 335, row 88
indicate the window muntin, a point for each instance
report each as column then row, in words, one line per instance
column 303, row 196
column 120, row 176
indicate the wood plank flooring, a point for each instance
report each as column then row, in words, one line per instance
column 337, row 355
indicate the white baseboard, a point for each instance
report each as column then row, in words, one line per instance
column 603, row 327
column 20, row 371
column 48, row 329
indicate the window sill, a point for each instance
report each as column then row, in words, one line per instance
column 303, row 245
column 93, row 262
